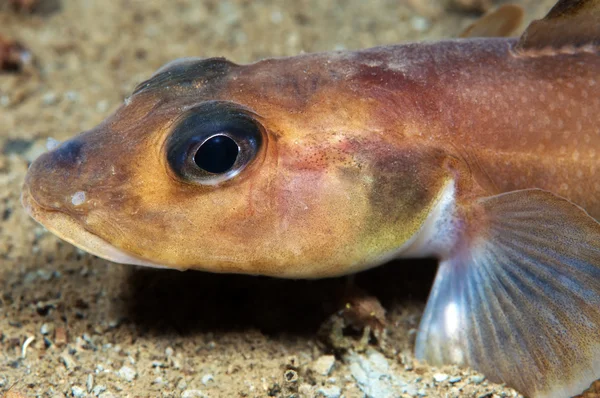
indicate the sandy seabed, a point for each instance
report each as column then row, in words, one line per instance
column 75, row 325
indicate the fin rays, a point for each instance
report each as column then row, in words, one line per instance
column 520, row 302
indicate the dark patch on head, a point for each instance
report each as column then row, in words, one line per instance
column 68, row 154
column 188, row 74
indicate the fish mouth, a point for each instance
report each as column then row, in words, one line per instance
column 70, row 230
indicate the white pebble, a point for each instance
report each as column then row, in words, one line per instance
column 50, row 98
column 323, row 365
column 102, row 106
column 72, row 95
column 207, row 379
column 276, row 17
column 330, row 392
column 77, row 391
column 440, row 377
column 305, row 389
column 89, row 384
column 45, row 329
column 193, row 394
column 127, row 373
column 478, row 379
column 420, row 24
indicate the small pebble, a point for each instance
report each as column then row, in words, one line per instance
column 77, row 391
column 478, row 379
column 329, row 392
column 323, row 365
column 420, row 24
column 193, row 394
column 99, row 389
column 67, row 360
column 86, row 337
column 89, row 384
column 113, row 323
column 158, row 380
column 102, row 106
column 72, row 95
column 276, row 17
column 207, row 379
column 45, row 329
column 49, row 98
column 455, row 379
column 60, row 336
column 290, row 376
column 305, row 389
column 127, row 373
column 440, row 377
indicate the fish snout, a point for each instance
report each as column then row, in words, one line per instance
column 53, row 180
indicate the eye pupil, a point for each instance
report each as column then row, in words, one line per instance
column 217, row 154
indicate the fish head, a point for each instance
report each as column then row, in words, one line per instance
column 256, row 169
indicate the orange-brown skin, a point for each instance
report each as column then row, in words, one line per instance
column 358, row 148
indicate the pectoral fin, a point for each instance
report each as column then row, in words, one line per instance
column 519, row 299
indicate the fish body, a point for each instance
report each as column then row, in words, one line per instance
column 480, row 152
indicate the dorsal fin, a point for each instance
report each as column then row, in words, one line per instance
column 570, row 23
column 501, row 22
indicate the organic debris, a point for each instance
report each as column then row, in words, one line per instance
column 14, row 57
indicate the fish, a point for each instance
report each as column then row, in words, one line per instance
column 482, row 152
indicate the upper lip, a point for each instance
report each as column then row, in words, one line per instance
column 26, row 199
column 29, row 202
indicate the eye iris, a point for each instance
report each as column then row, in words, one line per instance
column 217, row 154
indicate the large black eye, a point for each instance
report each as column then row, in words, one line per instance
column 213, row 142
